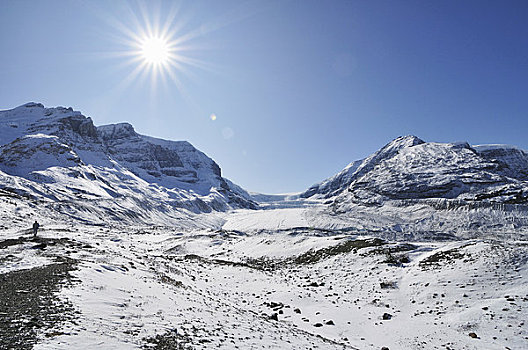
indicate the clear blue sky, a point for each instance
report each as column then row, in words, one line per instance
column 299, row 88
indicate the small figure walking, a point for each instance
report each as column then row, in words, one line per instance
column 35, row 228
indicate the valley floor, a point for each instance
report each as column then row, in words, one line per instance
column 95, row 287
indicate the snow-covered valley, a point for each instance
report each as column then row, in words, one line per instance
column 143, row 244
column 159, row 287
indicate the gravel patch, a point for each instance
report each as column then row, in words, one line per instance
column 29, row 304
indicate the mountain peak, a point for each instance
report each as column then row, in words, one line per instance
column 40, row 106
column 32, row 111
column 32, row 105
column 405, row 141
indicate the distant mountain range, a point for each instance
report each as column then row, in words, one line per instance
column 58, row 157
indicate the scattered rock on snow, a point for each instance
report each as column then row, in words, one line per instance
column 315, row 284
column 388, row 285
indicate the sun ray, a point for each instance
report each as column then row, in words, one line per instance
column 171, row 26
column 156, row 41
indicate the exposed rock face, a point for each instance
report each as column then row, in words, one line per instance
column 36, row 152
column 40, row 143
column 409, row 168
column 511, row 161
column 169, row 163
column 80, row 125
column 129, row 148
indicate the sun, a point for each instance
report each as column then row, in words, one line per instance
column 155, row 44
column 155, row 50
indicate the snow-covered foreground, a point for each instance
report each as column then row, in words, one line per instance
column 282, row 288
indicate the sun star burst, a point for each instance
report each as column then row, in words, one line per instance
column 155, row 50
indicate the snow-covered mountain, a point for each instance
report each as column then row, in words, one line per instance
column 59, row 156
column 419, row 246
column 409, row 168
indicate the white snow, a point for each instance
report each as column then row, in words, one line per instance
column 492, row 147
column 134, row 285
column 362, row 260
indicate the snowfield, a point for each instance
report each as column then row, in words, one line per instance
column 276, row 287
column 144, row 245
